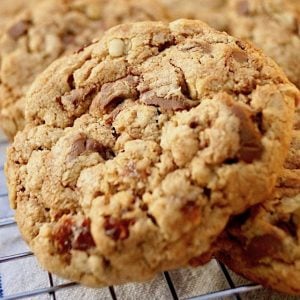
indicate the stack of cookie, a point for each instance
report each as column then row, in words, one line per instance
column 158, row 145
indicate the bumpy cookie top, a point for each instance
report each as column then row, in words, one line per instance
column 48, row 30
column 213, row 12
column 274, row 26
column 140, row 147
column 264, row 243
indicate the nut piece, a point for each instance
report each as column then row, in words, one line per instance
column 116, row 47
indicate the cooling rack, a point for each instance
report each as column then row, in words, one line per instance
column 53, row 287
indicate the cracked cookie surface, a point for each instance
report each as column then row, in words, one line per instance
column 272, row 25
column 264, row 244
column 139, row 148
column 51, row 29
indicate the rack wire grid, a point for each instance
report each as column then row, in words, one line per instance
column 209, row 282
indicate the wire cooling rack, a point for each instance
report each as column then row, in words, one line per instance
column 173, row 290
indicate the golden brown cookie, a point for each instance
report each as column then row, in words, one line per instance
column 51, row 29
column 140, row 147
column 263, row 244
column 9, row 9
column 272, row 25
column 213, row 12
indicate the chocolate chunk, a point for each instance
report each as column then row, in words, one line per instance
column 62, row 236
column 117, row 229
column 18, row 29
column 172, row 104
column 115, row 113
column 94, row 146
column 83, row 144
column 78, row 147
column 114, row 93
column 242, row 7
column 83, row 239
column 68, row 235
column 191, row 211
column 74, row 97
column 250, row 138
column 239, row 56
column 263, row 246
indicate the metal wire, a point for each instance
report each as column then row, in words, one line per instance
column 170, row 285
column 233, row 291
column 37, row 292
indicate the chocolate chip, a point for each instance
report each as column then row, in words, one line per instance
column 83, row 239
column 74, row 97
column 77, row 99
column 94, row 146
column 78, row 147
column 68, row 235
column 62, row 236
column 262, row 246
column 242, row 7
column 191, row 211
column 114, row 93
column 83, row 144
column 250, row 138
column 18, row 29
column 117, row 229
column 239, row 56
column 172, row 104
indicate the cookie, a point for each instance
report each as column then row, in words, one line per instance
column 213, row 12
column 264, row 243
column 272, row 25
column 139, row 148
column 9, row 9
column 51, row 29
